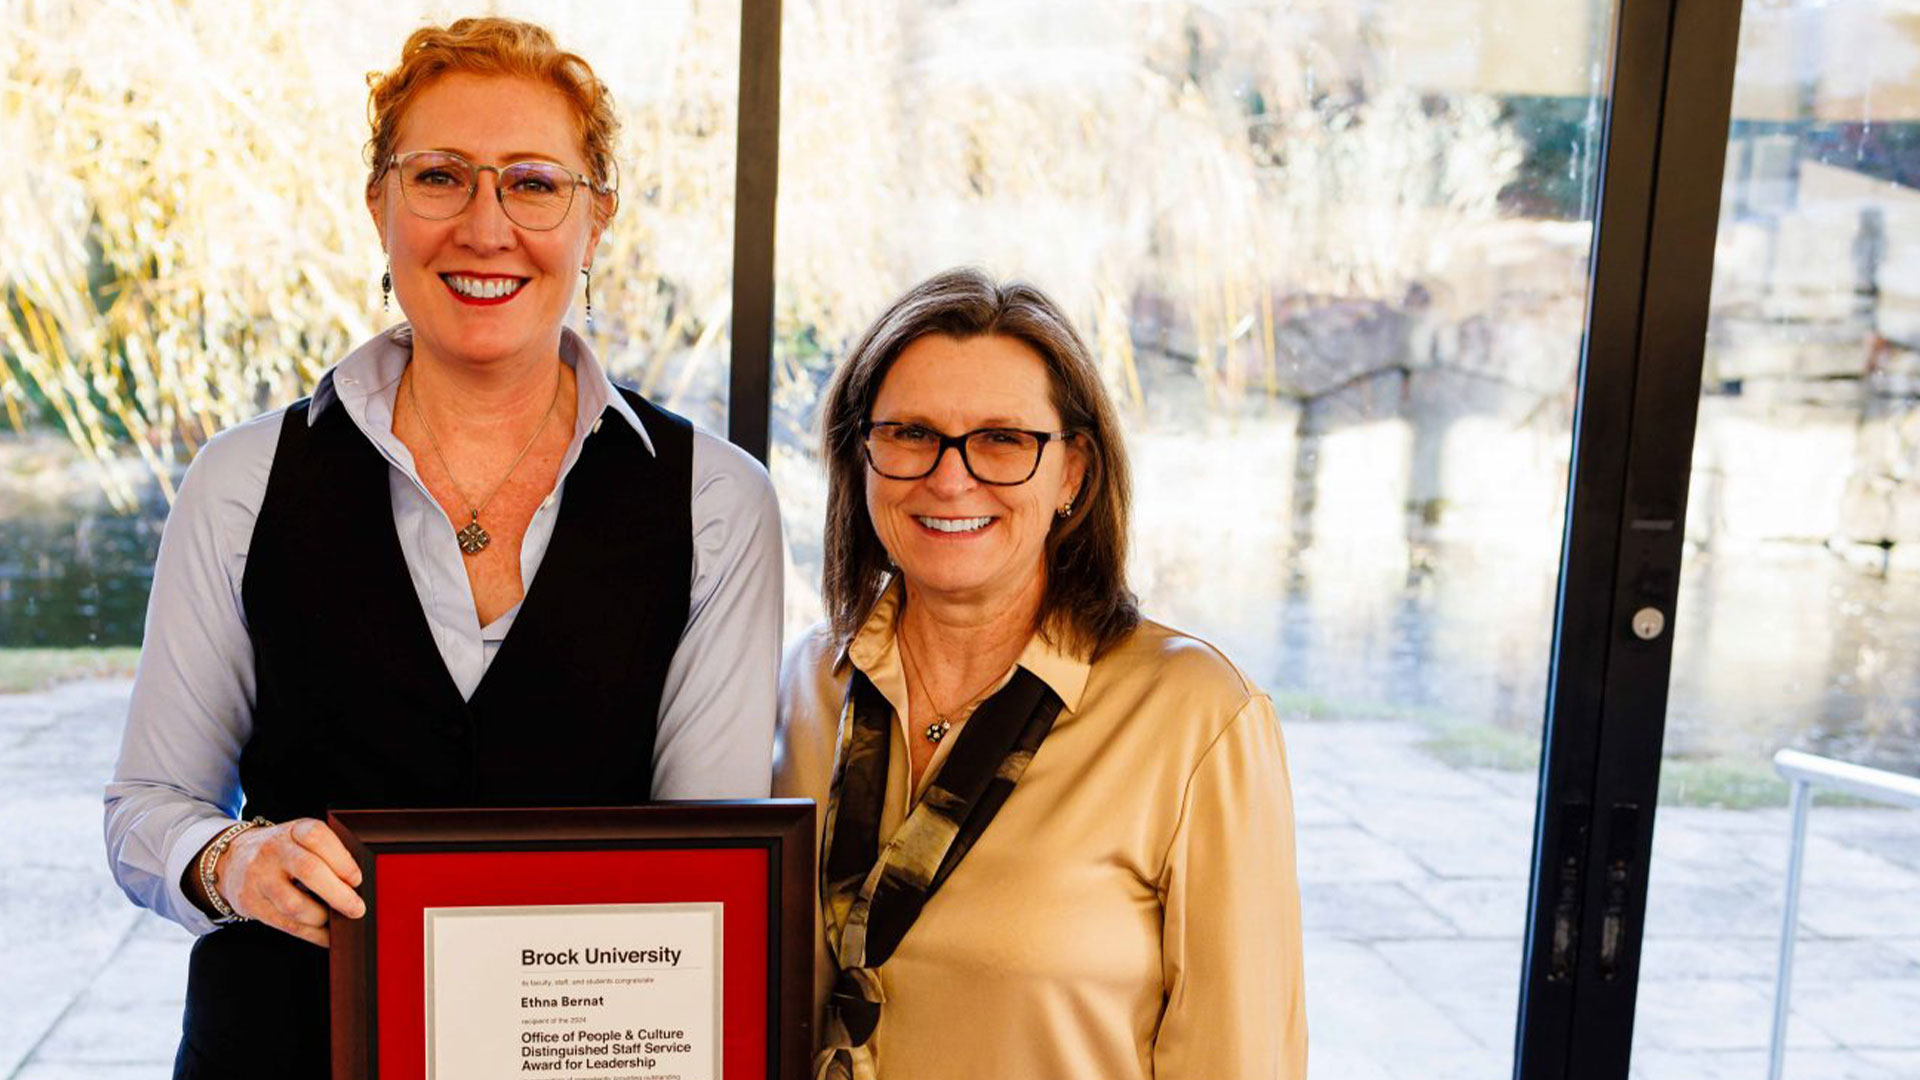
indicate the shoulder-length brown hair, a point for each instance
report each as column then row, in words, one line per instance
column 1086, row 598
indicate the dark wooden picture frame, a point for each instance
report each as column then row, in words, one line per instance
column 782, row 829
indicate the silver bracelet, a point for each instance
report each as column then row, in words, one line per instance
column 224, row 915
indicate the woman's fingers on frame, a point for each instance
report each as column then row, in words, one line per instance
column 308, row 865
column 279, row 903
column 295, row 905
column 286, row 878
column 317, row 935
column 316, row 837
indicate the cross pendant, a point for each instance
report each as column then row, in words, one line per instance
column 473, row 539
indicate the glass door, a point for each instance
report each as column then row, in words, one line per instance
column 1798, row 623
column 177, row 263
column 184, row 245
column 1335, row 262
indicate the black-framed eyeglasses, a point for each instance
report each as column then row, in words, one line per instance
column 996, row 455
column 536, row 195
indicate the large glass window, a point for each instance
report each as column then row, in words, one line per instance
column 183, row 245
column 1332, row 260
column 1796, row 625
column 187, row 247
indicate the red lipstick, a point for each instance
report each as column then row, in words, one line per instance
column 477, row 301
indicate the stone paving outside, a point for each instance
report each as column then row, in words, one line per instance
column 1414, row 878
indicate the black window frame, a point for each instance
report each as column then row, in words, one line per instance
column 1668, row 99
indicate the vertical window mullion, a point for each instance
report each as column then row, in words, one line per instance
column 756, row 186
column 1640, row 384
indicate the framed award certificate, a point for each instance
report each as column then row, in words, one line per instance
column 665, row 942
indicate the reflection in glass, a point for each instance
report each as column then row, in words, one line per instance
column 1798, row 623
column 1333, row 261
column 187, row 246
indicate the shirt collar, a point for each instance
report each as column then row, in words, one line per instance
column 872, row 651
column 373, row 370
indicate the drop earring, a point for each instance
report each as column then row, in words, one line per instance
column 587, row 272
column 386, row 290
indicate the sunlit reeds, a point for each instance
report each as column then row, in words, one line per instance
column 1213, row 164
column 186, row 239
column 186, row 242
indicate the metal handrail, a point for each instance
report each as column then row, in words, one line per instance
column 1806, row 772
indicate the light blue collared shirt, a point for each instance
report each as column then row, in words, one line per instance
column 178, row 781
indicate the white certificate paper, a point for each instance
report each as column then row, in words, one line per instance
column 607, row 991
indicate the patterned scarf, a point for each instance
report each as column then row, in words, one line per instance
column 872, row 896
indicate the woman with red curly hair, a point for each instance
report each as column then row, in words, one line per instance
column 467, row 571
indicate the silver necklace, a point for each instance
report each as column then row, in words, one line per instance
column 942, row 721
column 474, row 539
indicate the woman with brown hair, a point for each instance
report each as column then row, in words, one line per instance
column 468, row 571
column 1057, row 838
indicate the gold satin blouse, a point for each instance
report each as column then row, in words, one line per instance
column 1132, row 911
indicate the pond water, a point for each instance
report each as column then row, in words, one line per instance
column 1772, row 648
column 76, row 578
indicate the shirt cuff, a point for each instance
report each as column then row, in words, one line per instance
column 185, row 849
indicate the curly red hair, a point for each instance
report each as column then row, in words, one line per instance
column 495, row 46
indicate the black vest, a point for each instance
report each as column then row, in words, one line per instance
column 354, row 708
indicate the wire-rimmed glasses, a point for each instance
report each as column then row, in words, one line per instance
column 536, row 195
column 996, row 455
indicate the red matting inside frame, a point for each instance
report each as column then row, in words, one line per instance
column 408, row 884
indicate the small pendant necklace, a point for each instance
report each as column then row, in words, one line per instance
column 474, row 539
column 943, row 721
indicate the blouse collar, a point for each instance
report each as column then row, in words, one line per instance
column 873, row 651
column 371, row 372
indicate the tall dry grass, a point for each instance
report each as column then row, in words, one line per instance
column 186, row 243
column 186, row 239
column 1175, row 173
